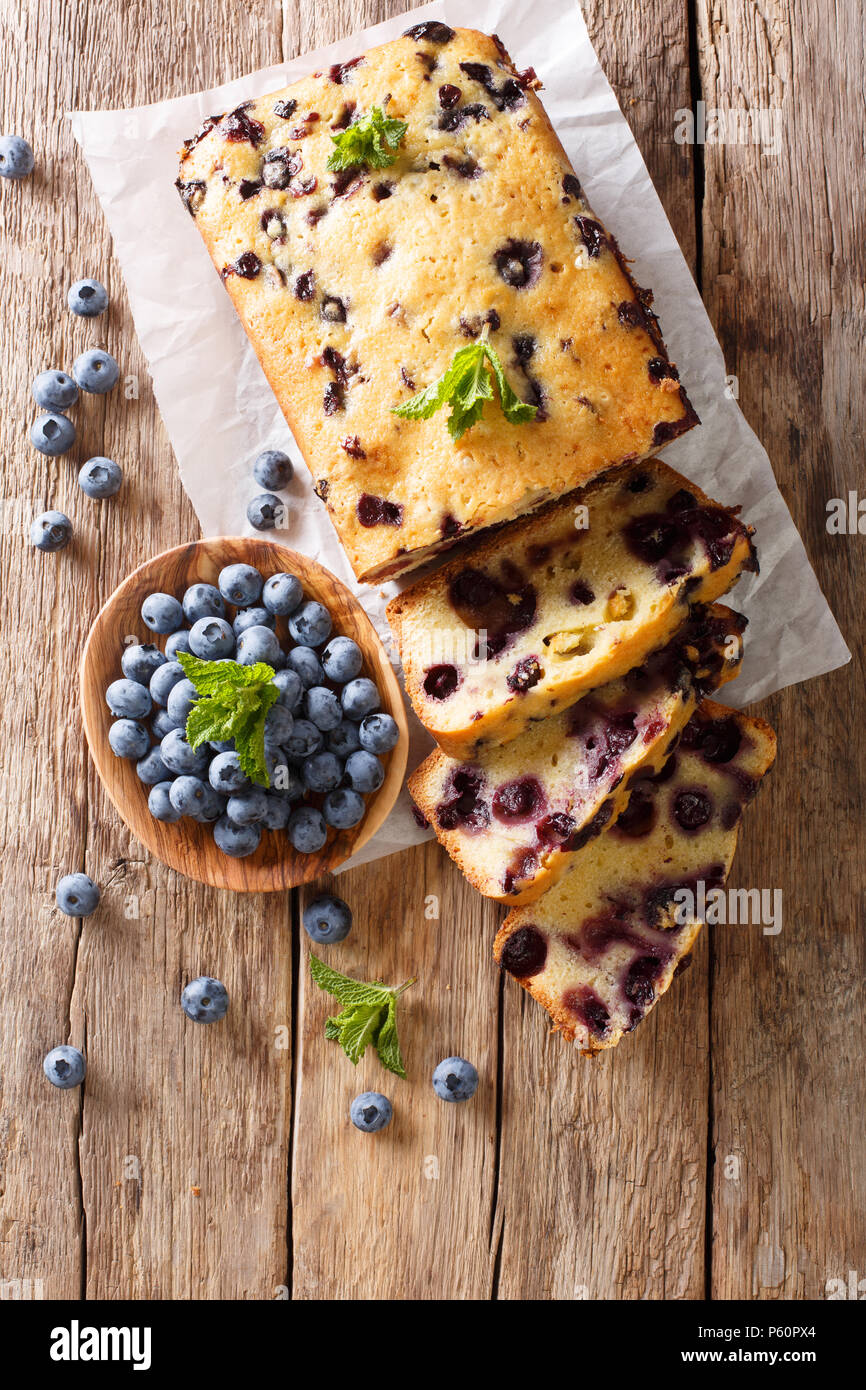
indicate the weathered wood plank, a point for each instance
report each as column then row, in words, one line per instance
column 615, row 1149
column 784, row 271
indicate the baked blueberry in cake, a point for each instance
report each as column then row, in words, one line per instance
column 515, row 817
column 562, row 602
column 357, row 285
column 603, row 945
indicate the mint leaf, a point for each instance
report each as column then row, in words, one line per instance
column 466, row 385
column 369, row 141
column 369, row 1015
column 233, row 704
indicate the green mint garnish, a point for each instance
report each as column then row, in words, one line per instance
column 369, row 1015
column 233, row 702
column 465, row 387
column 369, row 140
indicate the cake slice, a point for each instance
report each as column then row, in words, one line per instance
column 357, row 285
column 515, row 817
column 562, row 602
column 601, row 947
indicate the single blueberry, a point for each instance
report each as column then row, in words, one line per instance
column 343, row 808
column 267, row 511
column 211, row 639
column 162, row 723
column 240, row 585
column 212, row 806
column 455, row 1079
column 247, row 807
column 128, row 700
column 95, row 371
column 327, row 920
column 187, row 795
column 287, row 783
column 140, row 661
column 273, row 470
column 202, row 601
column 177, row 642
column 205, row 1000
column 252, row 617
column 322, row 707
column 279, row 724
column 307, row 830
column 159, row 803
column 322, row 772
column 344, row 739
column 277, row 811
column 359, row 698
column 282, row 594
column 100, row 478
column 151, row 769
column 16, row 157
column 65, row 1067
column 342, row 660
column 364, row 771
column 128, row 739
column 304, row 740
column 225, row 773
column 161, row 613
column 52, row 434
column 164, row 679
column 181, row 699
column 222, row 745
column 378, row 733
column 236, row 840
column 77, row 895
column 288, row 682
column 51, row 531
column 87, row 298
column 54, row 390
column 310, row 625
column 260, row 644
column 180, row 759
column 370, row 1111
column 306, row 665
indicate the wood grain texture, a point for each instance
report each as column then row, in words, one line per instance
column 190, row 848
column 170, row 1174
column 784, row 273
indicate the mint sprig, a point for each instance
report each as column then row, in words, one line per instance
column 465, row 386
column 233, row 703
column 369, row 1015
column 370, row 140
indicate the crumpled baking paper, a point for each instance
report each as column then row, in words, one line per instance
column 220, row 412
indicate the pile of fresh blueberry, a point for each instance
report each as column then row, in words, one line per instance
column 324, row 736
column 53, row 433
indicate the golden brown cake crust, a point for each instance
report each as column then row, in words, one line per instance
column 356, row 291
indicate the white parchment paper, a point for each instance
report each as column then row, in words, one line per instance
column 220, row 411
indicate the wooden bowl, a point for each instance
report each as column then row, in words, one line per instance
column 186, row 845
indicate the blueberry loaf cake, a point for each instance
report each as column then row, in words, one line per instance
column 602, row 946
column 562, row 602
column 514, row 818
column 371, row 221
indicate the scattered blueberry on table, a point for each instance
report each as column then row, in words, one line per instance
column 95, row 371
column 87, row 298
column 370, row 1111
column 273, row 470
column 16, row 157
column 266, row 511
column 327, row 919
column 52, row 434
column 100, row 478
column 314, row 765
column 54, row 390
column 51, row 531
column 455, row 1079
column 205, row 1000
column 77, row 895
column 65, row 1067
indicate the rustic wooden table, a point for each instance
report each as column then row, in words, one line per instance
column 717, row 1153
